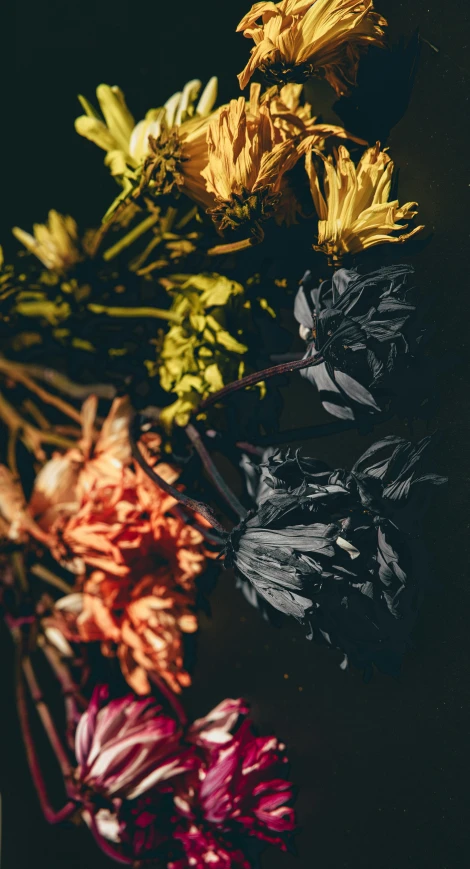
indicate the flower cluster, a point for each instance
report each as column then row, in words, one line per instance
column 134, row 555
column 335, row 549
column 203, row 351
column 184, row 796
column 360, row 326
column 173, row 304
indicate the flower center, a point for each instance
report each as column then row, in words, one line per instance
column 163, row 168
column 280, row 72
column 244, row 208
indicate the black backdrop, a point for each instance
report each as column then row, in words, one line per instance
column 380, row 767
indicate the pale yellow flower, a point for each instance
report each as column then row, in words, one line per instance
column 159, row 145
column 56, row 243
column 352, row 203
column 297, row 38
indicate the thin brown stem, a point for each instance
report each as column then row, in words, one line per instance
column 51, row 816
column 46, row 718
column 48, row 576
column 214, row 475
column 197, row 506
column 72, row 697
column 18, row 374
column 257, row 377
column 32, row 437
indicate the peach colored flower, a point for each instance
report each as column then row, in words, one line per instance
column 142, row 620
column 297, row 38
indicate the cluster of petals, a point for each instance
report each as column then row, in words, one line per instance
column 134, row 555
column 296, row 38
column 158, row 789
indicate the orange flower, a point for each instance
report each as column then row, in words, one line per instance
column 135, row 556
column 297, row 38
column 141, row 620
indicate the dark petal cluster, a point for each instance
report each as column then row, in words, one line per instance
column 364, row 327
column 182, row 798
column 340, row 550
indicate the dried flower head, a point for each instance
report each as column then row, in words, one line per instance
column 248, row 157
column 361, row 325
column 338, row 550
column 126, row 747
column 300, row 38
column 168, row 147
column 142, row 621
column 352, row 203
column 135, row 555
column 210, row 787
column 55, row 243
column 201, row 354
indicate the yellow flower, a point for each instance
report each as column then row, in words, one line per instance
column 252, row 145
column 250, row 150
column 56, row 243
column 297, row 38
column 353, row 208
column 159, row 145
column 201, row 354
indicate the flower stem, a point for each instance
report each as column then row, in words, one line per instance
column 46, row 718
column 72, row 697
column 251, row 379
column 171, row 698
column 158, row 313
column 31, row 436
column 62, row 383
column 51, row 816
column 47, row 576
column 18, row 374
column 233, row 247
column 131, row 236
column 214, row 475
column 105, row 846
column 197, row 506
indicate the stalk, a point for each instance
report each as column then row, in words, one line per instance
column 258, row 376
column 197, row 506
column 216, row 478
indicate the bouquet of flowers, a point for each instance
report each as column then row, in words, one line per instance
column 135, row 352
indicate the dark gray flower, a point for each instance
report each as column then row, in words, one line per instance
column 362, row 326
column 335, row 549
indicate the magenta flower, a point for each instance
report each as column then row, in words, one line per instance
column 203, row 849
column 185, row 799
column 242, row 780
column 127, row 746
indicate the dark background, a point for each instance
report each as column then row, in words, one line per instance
column 382, row 768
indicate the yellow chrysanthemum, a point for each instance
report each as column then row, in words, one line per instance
column 169, row 145
column 252, row 145
column 55, row 243
column 352, row 203
column 297, row 38
column 249, row 152
column 200, row 354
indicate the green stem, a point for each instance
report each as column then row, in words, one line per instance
column 158, row 313
column 131, row 236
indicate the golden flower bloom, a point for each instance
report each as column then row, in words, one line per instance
column 352, row 203
column 168, row 147
column 249, row 153
column 297, row 38
column 56, row 243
